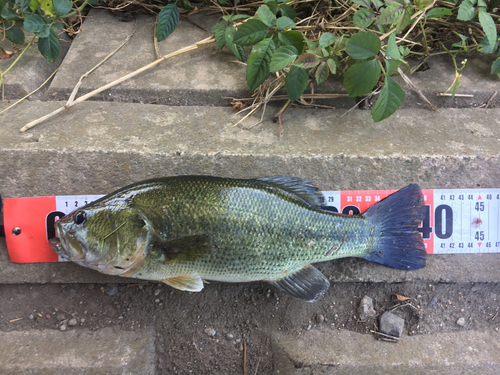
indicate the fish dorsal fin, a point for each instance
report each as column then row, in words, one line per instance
column 308, row 284
column 183, row 249
column 303, row 189
column 188, row 283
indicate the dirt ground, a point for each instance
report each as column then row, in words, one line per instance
column 208, row 332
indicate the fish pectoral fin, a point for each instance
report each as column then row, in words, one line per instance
column 184, row 249
column 188, row 283
column 308, row 284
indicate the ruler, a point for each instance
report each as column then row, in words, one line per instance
column 457, row 221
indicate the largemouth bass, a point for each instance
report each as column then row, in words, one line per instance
column 183, row 230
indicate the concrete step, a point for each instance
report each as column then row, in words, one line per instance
column 209, row 76
column 329, row 351
column 76, row 352
column 98, row 147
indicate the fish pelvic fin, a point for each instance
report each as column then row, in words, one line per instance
column 397, row 217
column 188, row 283
column 308, row 284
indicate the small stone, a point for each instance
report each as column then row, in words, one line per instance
column 365, row 309
column 63, row 327
column 111, row 289
column 268, row 293
column 31, row 317
column 432, row 302
column 157, row 291
column 320, row 319
column 61, row 317
column 210, row 332
column 461, row 321
column 230, row 336
column 72, row 322
column 391, row 324
column 157, row 300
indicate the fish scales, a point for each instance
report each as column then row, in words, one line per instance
column 182, row 230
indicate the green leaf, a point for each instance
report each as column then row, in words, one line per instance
column 363, row 45
column 168, row 19
column 332, row 65
column 485, row 46
column 292, row 38
column 273, row 6
column 322, row 72
column 35, row 24
column 49, row 47
column 219, row 31
column 392, row 48
column 361, row 77
column 33, row 5
column 488, row 26
column 307, row 61
column 378, row 4
column 296, row 82
column 288, row 11
column 363, row 18
column 8, row 14
column 186, row 5
column 57, row 27
column 326, row 39
column 466, row 11
column 237, row 50
column 390, row 14
column 22, row 5
column 405, row 51
column 392, row 66
column 222, row 2
column 62, row 7
column 258, row 63
column 363, row 3
column 284, row 56
column 234, row 17
column 47, row 7
column 251, row 32
column 389, row 100
column 15, row 35
column 285, row 23
column 495, row 67
column 266, row 16
column 403, row 19
column 438, row 12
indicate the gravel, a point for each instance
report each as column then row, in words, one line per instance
column 365, row 309
column 391, row 324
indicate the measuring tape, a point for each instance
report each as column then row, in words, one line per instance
column 457, row 221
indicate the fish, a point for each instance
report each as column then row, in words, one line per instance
column 187, row 230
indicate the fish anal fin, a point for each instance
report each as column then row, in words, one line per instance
column 308, row 284
column 188, row 283
column 184, row 249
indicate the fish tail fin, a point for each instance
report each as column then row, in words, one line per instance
column 397, row 217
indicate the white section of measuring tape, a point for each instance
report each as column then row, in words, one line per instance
column 460, row 220
column 466, row 221
column 68, row 203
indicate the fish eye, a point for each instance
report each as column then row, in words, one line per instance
column 80, row 217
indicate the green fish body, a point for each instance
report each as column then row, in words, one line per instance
column 183, row 230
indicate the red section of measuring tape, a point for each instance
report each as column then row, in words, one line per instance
column 353, row 202
column 28, row 214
